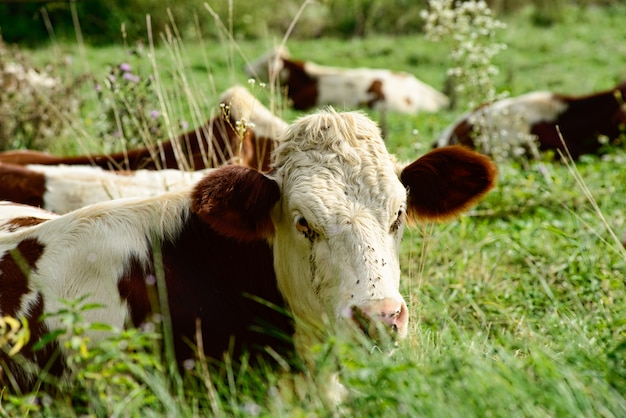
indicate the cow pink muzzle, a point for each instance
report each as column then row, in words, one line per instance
column 375, row 318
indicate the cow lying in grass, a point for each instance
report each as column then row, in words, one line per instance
column 217, row 142
column 585, row 122
column 310, row 85
column 319, row 236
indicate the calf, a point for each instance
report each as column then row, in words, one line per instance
column 318, row 236
column 63, row 188
column 310, row 85
column 581, row 120
column 216, row 142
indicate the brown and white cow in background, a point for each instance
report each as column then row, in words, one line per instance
column 215, row 143
column 319, row 235
column 582, row 120
column 310, row 85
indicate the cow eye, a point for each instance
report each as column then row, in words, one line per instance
column 302, row 225
column 398, row 221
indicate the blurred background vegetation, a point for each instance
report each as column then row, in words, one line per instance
column 32, row 22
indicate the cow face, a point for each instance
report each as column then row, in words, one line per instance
column 334, row 209
column 339, row 221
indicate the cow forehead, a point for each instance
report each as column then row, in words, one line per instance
column 336, row 163
column 324, row 136
column 331, row 197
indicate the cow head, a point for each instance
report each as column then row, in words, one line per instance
column 334, row 209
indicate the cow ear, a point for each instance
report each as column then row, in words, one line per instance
column 446, row 182
column 236, row 202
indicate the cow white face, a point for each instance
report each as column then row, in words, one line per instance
column 339, row 222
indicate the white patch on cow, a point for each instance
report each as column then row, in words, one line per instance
column 77, row 264
column 69, row 187
column 339, row 223
column 349, row 87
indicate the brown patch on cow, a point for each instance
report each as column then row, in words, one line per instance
column 376, row 89
column 21, row 222
column 24, row 157
column 302, row 89
column 463, row 134
column 133, row 289
column 212, row 144
column 236, row 202
column 21, row 185
column 447, row 181
column 16, row 265
column 227, row 286
column 585, row 119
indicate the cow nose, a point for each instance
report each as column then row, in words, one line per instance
column 391, row 314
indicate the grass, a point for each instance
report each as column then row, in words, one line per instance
column 517, row 309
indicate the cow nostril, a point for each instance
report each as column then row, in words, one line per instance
column 380, row 326
column 391, row 315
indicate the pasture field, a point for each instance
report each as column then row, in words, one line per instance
column 518, row 308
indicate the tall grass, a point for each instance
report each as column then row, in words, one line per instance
column 517, row 309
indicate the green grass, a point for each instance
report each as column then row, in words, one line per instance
column 518, row 309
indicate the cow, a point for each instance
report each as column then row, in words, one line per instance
column 311, row 247
column 310, row 85
column 63, row 188
column 585, row 122
column 218, row 141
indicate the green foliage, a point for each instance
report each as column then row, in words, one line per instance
column 35, row 103
column 130, row 110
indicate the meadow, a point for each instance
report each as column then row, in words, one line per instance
column 518, row 308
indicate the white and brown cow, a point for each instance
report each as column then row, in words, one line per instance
column 310, row 85
column 218, row 141
column 583, row 121
column 318, row 235
column 64, row 188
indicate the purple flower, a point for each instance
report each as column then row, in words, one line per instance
column 98, row 87
column 184, row 125
column 154, row 114
column 125, row 67
column 131, row 77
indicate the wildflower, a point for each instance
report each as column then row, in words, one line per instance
column 125, row 67
column 154, row 114
column 471, row 27
column 131, row 77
